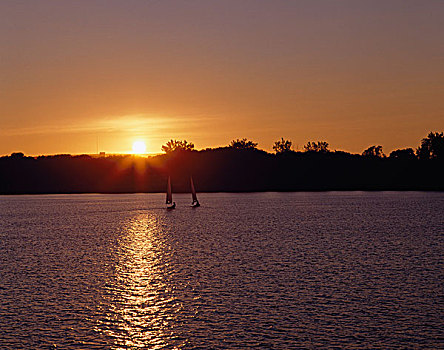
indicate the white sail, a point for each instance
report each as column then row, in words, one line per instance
column 169, row 195
column 193, row 191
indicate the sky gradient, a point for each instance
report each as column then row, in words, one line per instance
column 352, row 73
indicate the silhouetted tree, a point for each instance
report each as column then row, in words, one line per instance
column 282, row 146
column 174, row 145
column 243, row 144
column 320, row 146
column 17, row 155
column 432, row 147
column 374, row 151
column 405, row 154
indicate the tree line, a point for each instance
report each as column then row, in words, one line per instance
column 431, row 147
column 240, row 166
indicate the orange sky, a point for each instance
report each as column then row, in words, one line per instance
column 353, row 73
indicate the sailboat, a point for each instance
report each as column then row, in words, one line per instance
column 195, row 203
column 169, row 196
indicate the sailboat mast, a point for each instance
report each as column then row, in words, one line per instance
column 169, row 195
column 193, row 190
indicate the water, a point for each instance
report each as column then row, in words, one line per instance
column 270, row 271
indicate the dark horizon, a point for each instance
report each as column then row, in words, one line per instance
column 239, row 167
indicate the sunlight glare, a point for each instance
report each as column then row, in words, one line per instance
column 139, row 147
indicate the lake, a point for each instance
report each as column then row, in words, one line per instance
column 258, row 270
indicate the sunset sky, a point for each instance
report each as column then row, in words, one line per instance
column 353, row 73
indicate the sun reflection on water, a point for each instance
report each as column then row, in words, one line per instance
column 141, row 307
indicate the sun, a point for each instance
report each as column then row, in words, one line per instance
column 139, row 147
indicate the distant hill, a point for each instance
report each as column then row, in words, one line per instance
column 221, row 169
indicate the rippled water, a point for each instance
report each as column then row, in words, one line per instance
column 270, row 271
